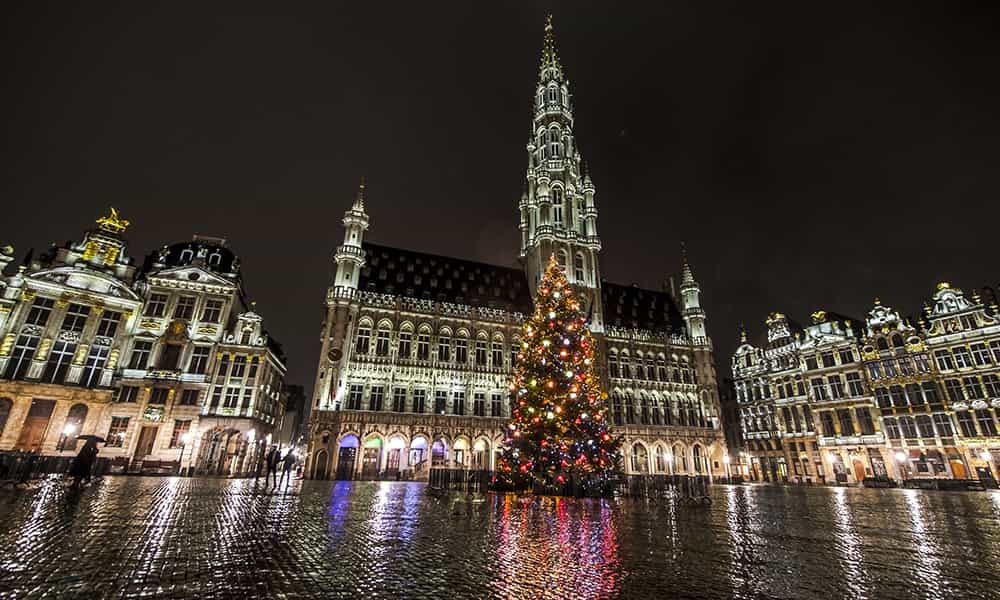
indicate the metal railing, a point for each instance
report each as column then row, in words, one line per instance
column 23, row 467
column 628, row 486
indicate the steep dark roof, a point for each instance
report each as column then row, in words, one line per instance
column 412, row 274
column 633, row 307
column 209, row 254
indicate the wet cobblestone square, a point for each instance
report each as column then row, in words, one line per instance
column 214, row 538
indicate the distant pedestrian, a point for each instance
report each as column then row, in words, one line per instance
column 287, row 464
column 257, row 465
column 272, row 465
column 82, row 466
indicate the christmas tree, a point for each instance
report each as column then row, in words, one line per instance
column 559, row 433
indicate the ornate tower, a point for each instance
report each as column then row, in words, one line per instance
column 350, row 258
column 694, row 314
column 341, row 307
column 558, row 214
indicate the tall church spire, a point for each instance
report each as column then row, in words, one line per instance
column 550, row 68
column 558, row 214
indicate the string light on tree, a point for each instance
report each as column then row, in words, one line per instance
column 572, row 442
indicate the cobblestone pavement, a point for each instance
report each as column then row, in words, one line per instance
column 211, row 538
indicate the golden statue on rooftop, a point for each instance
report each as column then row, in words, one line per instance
column 112, row 223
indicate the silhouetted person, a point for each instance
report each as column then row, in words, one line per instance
column 83, row 464
column 286, row 470
column 273, row 457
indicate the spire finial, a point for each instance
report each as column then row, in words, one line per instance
column 687, row 276
column 743, row 333
column 359, row 203
column 550, row 68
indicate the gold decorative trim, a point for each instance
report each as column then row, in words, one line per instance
column 112, row 223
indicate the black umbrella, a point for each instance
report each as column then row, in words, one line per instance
column 96, row 438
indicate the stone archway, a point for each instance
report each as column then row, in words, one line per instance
column 347, row 456
column 371, row 457
column 319, row 465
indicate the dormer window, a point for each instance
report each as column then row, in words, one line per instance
column 215, row 258
column 187, row 255
column 557, row 206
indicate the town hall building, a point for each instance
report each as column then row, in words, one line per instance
column 417, row 349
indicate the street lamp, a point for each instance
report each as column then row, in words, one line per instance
column 68, row 430
column 725, row 461
column 670, row 462
column 185, row 439
column 901, row 459
column 252, row 448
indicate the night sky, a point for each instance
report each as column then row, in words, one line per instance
column 811, row 156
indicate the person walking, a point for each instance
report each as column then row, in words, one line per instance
column 258, row 464
column 83, row 464
column 272, row 465
column 287, row 464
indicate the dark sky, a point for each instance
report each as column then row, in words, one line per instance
column 812, row 155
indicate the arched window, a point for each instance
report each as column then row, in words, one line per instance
column 626, row 368
column 405, row 345
column 616, row 407
column 444, row 345
column 555, row 145
column 697, row 458
column 578, row 213
column 424, row 342
column 660, row 461
column 661, row 368
column 364, row 340
column 215, row 258
column 680, row 458
column 552, row 95
column 613, row 363
column 187, row 255
column 650, row 368
column 557, row 210
column 640, row 372
column 654, row 407
column 382, row 340
column 348, row 271
column 462, row 347
column 640, row 460
column 561, row 259
column 629, row 408
column 579, row 268
column 643, row 408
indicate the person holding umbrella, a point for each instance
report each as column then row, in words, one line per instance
column 83, row 465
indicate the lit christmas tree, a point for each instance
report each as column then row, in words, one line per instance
column 559, row 430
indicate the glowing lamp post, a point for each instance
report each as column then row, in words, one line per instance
column 725, row 461
column 252, row 448
column 185, row 440
column 901, row 459
column 670, row 463
column 68, row 430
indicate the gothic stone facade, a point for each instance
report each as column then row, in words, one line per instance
column 417, row 350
